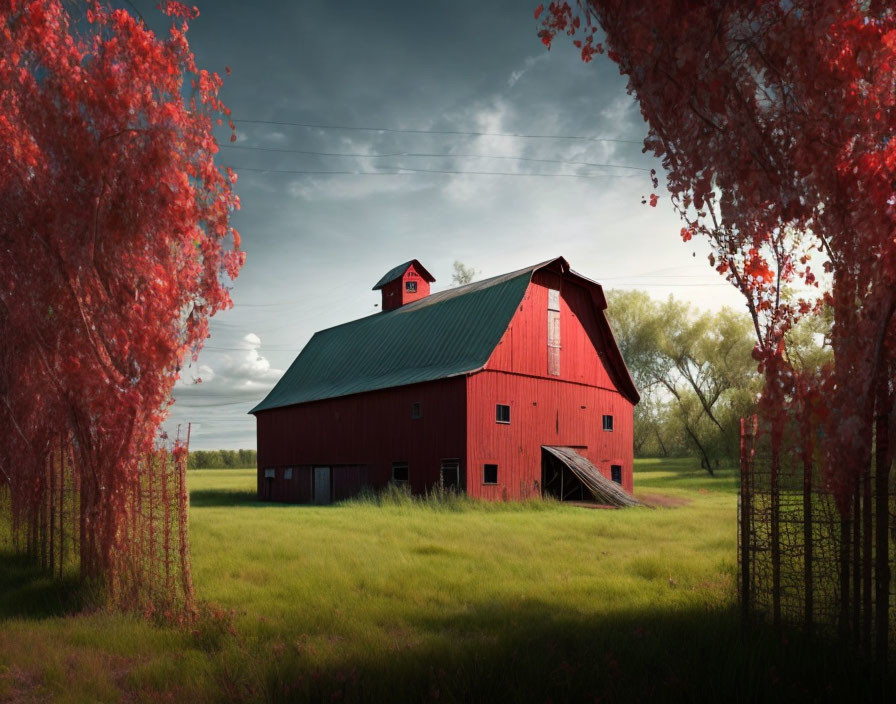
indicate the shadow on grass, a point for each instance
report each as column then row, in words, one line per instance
column 29, row 592
column 531, row 651
column 224, row 497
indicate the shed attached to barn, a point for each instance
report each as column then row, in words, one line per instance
column 509, row 387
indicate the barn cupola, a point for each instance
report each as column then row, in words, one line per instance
column 405, row 283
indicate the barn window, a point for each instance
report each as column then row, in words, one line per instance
column 553, row 332
column 399, row 471
column 616, row 473
column 270, row 473
column 287, row 473
column 449, row 474
column 553, row 299
column 608, row 422
column 502, row 413
column 490, row 474
column 416, row 410
column 410, row 286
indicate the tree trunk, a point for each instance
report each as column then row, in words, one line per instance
column 882, row 547
column 659, row 439
column 705, row 462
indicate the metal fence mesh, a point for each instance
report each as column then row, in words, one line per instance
column 803, row 561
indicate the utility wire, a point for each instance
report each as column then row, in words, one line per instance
column 462, row 133
column 435, row 156
column 408, row 171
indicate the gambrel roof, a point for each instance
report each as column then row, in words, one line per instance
column 445, row 334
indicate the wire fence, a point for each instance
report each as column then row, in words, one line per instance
column 808, row 558
column 146, row 567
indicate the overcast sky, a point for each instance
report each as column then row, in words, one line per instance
column 317, row 243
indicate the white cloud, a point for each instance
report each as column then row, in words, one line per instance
column 530, row 61
column 242, row 374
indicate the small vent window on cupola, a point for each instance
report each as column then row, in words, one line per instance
column 404, row 284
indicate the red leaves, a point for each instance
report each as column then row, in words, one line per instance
column 654, row 199
column 539, row 10
column 178, row 9
column 133, row 230
column 757, row 268
column 686, row 234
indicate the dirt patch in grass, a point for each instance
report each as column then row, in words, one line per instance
column 663, row 501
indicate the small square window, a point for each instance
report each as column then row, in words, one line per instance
column 399, row 471
column 287, row 473
column 410, row 286
column 608, row 422
column 270, row 473
column 416, row 410
column 502, row 413
column 490, row 474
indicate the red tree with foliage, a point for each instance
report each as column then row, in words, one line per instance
column 116, row 247
column 775, row 122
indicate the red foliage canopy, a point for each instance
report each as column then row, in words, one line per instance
column 775, row 124
column 116, row 237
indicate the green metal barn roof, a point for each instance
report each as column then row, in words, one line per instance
column 445, row 334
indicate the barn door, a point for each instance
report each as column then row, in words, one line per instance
column 322, row 486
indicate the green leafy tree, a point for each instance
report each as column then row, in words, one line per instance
column 463, row 274
column 695, row 372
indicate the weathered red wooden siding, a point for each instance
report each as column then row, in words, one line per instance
column 542, row 412
column 524, row 347
column 370, row 431
column 565, row 410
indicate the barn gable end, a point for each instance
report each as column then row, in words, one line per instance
column 558, row 370
column 498, row 369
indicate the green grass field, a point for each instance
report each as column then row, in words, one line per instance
column 410, row 601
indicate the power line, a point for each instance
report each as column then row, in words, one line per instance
column 461, row 133
column 435, row 156
column 670, row 285
column 408, row 171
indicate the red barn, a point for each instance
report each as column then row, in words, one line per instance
column 505, row 388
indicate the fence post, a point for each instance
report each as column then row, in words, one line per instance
column 809, row 606
column 745, row 520
column 856, row 562
column 866, row 561
column 882, row 537
column 776, row 527
column 844, row 577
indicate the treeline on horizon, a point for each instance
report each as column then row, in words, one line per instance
column 222, row 459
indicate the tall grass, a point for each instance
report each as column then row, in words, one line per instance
column 393, row 598
column 441, row 499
